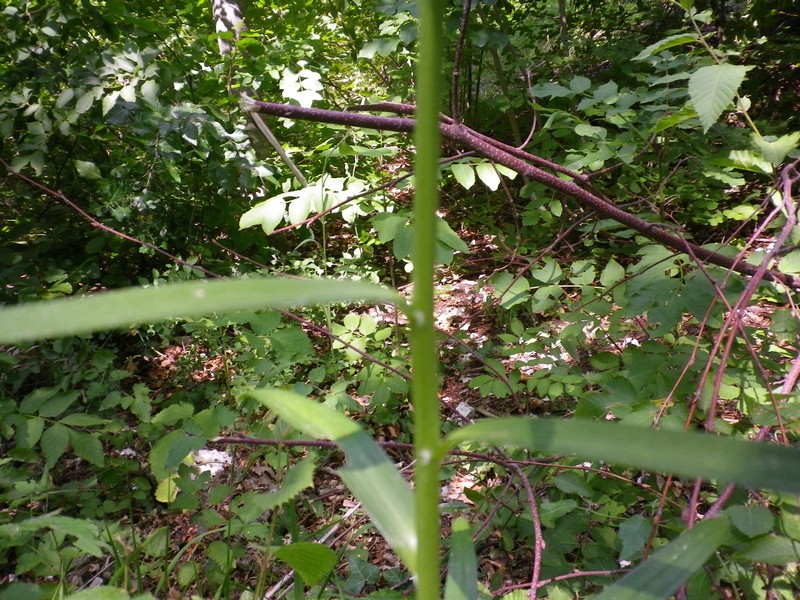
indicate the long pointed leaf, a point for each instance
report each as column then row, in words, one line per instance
column 370, row 475
column 462, row 568
column 670, row 566
column 108, row 310
column 688, row 454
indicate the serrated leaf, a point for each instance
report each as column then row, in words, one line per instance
column 87, row 446
column 85, row 102
column 87, row 169
column 750, row 161
column 488, row 175
column 775, row 150
column 311, row 561
column 668, row 42
column 772, row 550
column 751, row 520
column 464, row 174
column 54, row 443
column 713, row 88
column 268, row 214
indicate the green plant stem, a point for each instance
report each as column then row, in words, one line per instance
column 423, row 340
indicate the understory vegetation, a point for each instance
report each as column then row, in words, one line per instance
column 508, row 306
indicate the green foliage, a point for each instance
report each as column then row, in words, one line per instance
column 131, row 164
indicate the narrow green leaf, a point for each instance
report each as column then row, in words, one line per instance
column 108, row 310
column 689, row 454
column 462, row 569
column 311, row 561
column 669, row 567
column 369, row 473
column 713, row 88
column 100, row 593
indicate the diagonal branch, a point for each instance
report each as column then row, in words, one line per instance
column 502, row 155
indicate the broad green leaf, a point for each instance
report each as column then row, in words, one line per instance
column 85, row 102
column 54, row 443
column 688, row 454
column 790, row 263
column 167, row 489
column 311, row 561
column 586, row 130
column 168, row 452
column 488, row 175
column 510, row 290
column 771, row 549
column 128, row 93
column 448, row 237
column 712, row 90
column 379, row 46
column 751, row 520
column 109, row 101
column 673, row 119
column 633, row 533
column 462, row 569
column 149, row 93
column 87, row 169
column 369, row 473
column 58, row 404
column 750, row 161
column 64, row 97
column 268, row 214
column 86, row 534
column 580, row 84
column 464, row 174
column 299, row 209
column 299, row 477
column 775, row 149
column 388, row 225
column 612, row 274
column 87, row 446
column 668, row 42
column 669, row 567
column 107, row 310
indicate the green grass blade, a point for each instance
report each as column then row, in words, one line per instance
column 688, row 454
column 462, row 567
column 123, row 308
column 369, row 474
column 669, row 567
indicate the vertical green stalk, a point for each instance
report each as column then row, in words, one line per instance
column 424, row 362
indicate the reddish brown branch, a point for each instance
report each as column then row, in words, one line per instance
column 503, row 155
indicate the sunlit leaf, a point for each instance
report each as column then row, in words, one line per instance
column 368, row 472
column 268, row 214
column 713, row 88
column 668, row 42
column 464, row 174
column 107, row 310
column 311, row 561
column 688, row 454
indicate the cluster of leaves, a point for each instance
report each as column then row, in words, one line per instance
column 119, row 108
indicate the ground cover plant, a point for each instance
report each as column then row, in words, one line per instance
column 240, row 361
